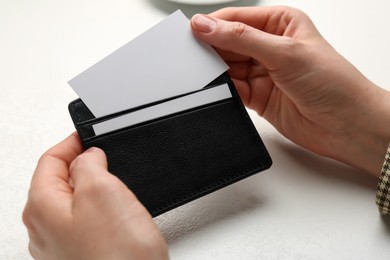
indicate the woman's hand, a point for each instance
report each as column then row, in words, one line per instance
column 286, row 71
column 77, row 210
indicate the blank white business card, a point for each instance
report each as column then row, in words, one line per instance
column 197, row 99
column 165, row 61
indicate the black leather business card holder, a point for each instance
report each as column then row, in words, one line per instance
column 174, row 159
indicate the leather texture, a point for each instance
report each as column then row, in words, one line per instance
column 175, row 159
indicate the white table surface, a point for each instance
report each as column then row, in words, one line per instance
column 304, row 207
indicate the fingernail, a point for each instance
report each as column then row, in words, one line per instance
column 203, row 23
column 92, row 150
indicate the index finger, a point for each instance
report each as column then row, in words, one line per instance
column 54, row 164
column 270, row 19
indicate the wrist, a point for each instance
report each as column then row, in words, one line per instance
column 367, row 142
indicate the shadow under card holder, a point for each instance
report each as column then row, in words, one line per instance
column 173, row 159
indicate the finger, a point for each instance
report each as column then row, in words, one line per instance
column 239, row 38
column 94, row 184
column 87, row 165
column 230, row 56
column 53, row 165
column 239, row 70
column 50, row 194
column 271, row 19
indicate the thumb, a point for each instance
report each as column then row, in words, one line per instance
column 238, row 38
column 87, row 165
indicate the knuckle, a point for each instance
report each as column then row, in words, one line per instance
column 228, row 9
column 290, row 43
column 52, row 153
column 34, row 207
column 291, row 10
column 299, row 13
column 237, row 30
column 27, row 216
column 33, row 252
column 294, row 13
column 80, row 162
column 291, row 48
column 97, row 185
column 44, row 157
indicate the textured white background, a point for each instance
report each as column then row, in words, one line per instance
column 304, row 207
